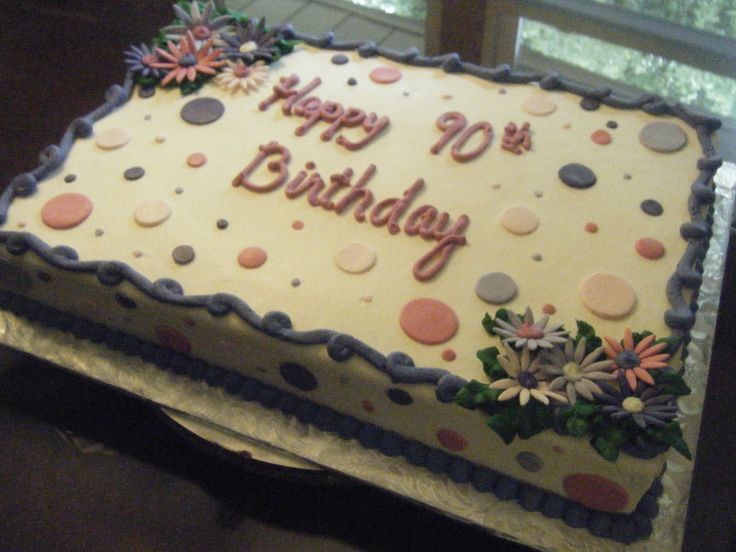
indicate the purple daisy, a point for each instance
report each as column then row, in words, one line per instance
column 199, row 22
column 252, row 42
column 648, row 408
column 140, row 60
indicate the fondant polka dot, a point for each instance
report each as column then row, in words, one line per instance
column 591, row 227
column 601, row 137
column 557, row 449
column 428, row 321
column 549, row 308
column 596, row 492
column 577, row 176
column 172, row 339
column 297, row 225
column 355, row 258
column 134, row 173
column 252, row 257
column 607, row 295
column 43, row 276
column 496, row 288
column 125, row 301
column 385, row 74
column 160, row 139
column 452, row 440
column 652, row 207
column 663, row 137
column 70, row 178
column 368, row 406
column 519, row 220
column 536, row 257
column 539, row 105
column 340, row 59
column 352, row 81
column 202, row 111
column 399, row 396
column 296, row 282
column 222, row 224
column 529, row 461
column 183, row 254
column 146, row 92
column 196, row 160
column 649, row 248
column 448, row 355
column 99, row 232
column 298, row 376
column 113, row 138
column 612, row 125
column 152, row 212
column 590, row 104
column 66, row 211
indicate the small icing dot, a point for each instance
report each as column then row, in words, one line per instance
column 519, row 220
column 222, row 224
column 601, row 137
column 449, row 355
column 70, row 178
column 340, row 59
column 549, row 309
column 663, row 137
column 202, row 111
column 352, row 81
column 160, row 139
column 557, row 449
column 446, row 96
column 649, row 248
column 99, row 232
column 496, row 186
column 452, row 440
column 501, row 90
column 539, row 104
column 66, row 211
column 612, row 125
column 355, row 258
column 627, row 176
column 577, row 176
column 399, row 396
column 196, row 160
column 134, row 173
column 137, row 253
column 368, row 406
column 152, row 212
column 590, row 104
column 252, row 257
column 496, row 288
column 652, row 207
column 607, row 295
column 310, row 165
column 536, row 257
column 539, row 193
column 21, row 225
column 591, row 227
column 125, row 301
column 296, row 282
column 146, row 92
column 367, row 298
column 297, row 225
column 183, row 254
column 113, row 138
column 567, row 126
column 179, row 190
column 385, row 74
column 428, row 321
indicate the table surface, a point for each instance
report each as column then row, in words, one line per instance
column 86, row 468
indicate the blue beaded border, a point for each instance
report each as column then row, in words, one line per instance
column 624, row 528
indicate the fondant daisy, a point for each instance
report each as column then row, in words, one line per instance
column 576, row 372
column 252, row 42
column 186, row 60
column 198, row 21
column 650, row 408
column 633, row 361
column 140, row 60
column 529, row 334
column 239, row 76
column 526, row 381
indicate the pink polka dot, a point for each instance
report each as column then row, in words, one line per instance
column 428, row 321
column 549, row 309
column 252, row 257
column 385, row 74
column 557, row 449
column 591, row 227
column 196, row 160
column 172, row 339
column 297, row 225
column 596, row 492
column 601, row 137
column 66, row 211
column 452, row 440
column 368, row 406
column 649, row 248
column 449, row 355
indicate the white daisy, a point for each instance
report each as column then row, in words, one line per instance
column 577, row 373
column 239, row 76
column 526, row 381
column 529, row 334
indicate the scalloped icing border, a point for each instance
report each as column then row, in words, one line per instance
column 399, row 366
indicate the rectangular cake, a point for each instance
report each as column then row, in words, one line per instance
column 489, row 273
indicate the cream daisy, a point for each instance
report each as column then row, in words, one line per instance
column 529, row 334
column 577, row 373
column 239, row 76
column 526, row 381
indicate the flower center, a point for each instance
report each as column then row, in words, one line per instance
column 201, row 32
column 527, row 379
column 627, row 359
column 530, row 331
column 187, row 61
column 149, row 59
column 248, row 47
column 241, row 71
column 572, row 371
column 633, row 404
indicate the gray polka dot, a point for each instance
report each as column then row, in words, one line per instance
column 652, row 207
column 133, row 173
column 202, row 111
column 663, row 137
column 183, row 254
column 577, row 176
column 536, row 257
column 340, row 59
column 496, row 288
column 530, row 461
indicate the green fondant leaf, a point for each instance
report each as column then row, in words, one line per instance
column 673, row 344
column 671, row 382
column 638, row 336
column 605, row 448
column 671, row 435
column 503, row 424
column 577, row 426
column 488, row 324
column 467, row 395
column 491, row 366
column 587, row 331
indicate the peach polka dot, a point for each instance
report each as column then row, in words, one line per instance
column 428, row 321
column 252, row 257
column 66, row 211
column 385, row 74
column 196, row 160
column 449, row 355
column 649, row 248
column 591, row 227
column 601, row 137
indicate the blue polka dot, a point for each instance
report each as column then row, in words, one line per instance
column 125, row 301
column 399, row 396
column 298, row 376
